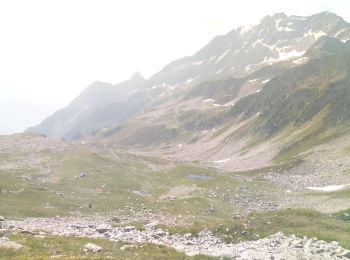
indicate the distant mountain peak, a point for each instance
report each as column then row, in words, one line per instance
column 280, row 15
column 137, row 76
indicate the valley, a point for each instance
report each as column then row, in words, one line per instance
column 240, row 151
column 79, row 189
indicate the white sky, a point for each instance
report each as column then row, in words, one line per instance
column 50, row 50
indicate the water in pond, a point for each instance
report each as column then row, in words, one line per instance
column 199, row 177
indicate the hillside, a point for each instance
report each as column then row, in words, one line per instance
column 99, row 105
column 227, row 69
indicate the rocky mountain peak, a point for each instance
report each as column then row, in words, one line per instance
column 137, row 76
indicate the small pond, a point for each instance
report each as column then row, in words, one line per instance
column 197, row 177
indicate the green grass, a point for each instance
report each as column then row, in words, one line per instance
column 73, row 248
column 300, row 222
column 111, row 183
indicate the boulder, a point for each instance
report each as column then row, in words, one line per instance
column 6, row 243
column 92, row 248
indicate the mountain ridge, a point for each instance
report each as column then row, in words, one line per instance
column 195, row 95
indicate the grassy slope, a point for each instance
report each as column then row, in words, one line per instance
column 73, row 248
column 117, row 175
column 110, row 184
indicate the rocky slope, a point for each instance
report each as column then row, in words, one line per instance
column 195, row 94
column 276, row 246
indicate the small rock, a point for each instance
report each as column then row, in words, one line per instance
column 102, row 229
column 189, row 243
column 319, row 250
column 345, row 254
column 128, row 228
column 92, row 247
column 82, row 175
column 2, row 218
column 123, row 248
column 188, row 235
column 27, row 232
column 115, row 219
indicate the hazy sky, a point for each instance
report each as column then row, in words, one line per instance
column 51, row 50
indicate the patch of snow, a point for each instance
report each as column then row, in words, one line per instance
column 171, row 87
column 345, row 40
column 205, row 131
column 219, row 71
column 252, row 80
column 223, row 160
column 222, row 56
column 217, row 105
column 208, row 100
column 179, row 145
column 245, row 29
column 191, row 79
column 301, row 60
column 258, row 90
column 316, row 35
column 339, row 32
column 212, row 58
column 247, row 68
column 328, row 188
column 290, row 54
column 197, row 63
column 284, row 29
column 265, row 81
column 231, row 103
column 256, row 42
column 271, row 47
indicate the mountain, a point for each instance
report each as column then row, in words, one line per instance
column 246, row 49
column 254, row 96
column 99, row 105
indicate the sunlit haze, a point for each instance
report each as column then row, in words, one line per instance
column 51, row 50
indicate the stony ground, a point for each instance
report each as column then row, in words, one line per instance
column 277, row 246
